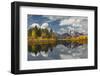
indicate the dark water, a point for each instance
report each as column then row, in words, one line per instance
column 60, row 50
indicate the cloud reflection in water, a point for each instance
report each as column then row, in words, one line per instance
column 58, row 51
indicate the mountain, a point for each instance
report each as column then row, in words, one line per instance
column 65, row 35
column 78, row 34
column 61, row 36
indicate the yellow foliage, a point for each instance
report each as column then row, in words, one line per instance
column 33, row 33
column 80, row 39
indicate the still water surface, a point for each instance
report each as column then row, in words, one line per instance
column 60, row 50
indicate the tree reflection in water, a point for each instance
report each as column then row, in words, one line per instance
column 58, row 50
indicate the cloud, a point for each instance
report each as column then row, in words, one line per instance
column 71, row 21
column 70, row 28
column 54, row 17
column 62, row 31
column 79, row 24
column 59, row 32
column 45, row 25
column 33, row 25
column 67, row 22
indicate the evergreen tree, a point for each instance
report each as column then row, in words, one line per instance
column 39, row 32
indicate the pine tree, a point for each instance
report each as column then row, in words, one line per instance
column 39, row 32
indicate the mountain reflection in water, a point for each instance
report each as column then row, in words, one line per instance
column 59, row 50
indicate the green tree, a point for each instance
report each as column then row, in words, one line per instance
column 39, row 32
column 30, row 32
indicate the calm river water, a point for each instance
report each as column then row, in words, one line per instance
column 61, row 50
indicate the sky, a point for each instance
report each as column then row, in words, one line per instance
column 59, row 24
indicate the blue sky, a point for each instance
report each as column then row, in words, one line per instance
column 60, row 24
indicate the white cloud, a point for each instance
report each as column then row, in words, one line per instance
column 67, row 22
column 80, row 24
column 72, row 20
column 59, row 32
column 81, row 30
column 45, row 25
column 70, row 28
column 33, row 25
column 53, row 18
column 62, row 31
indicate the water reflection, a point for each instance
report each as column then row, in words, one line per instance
column 58, row 50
